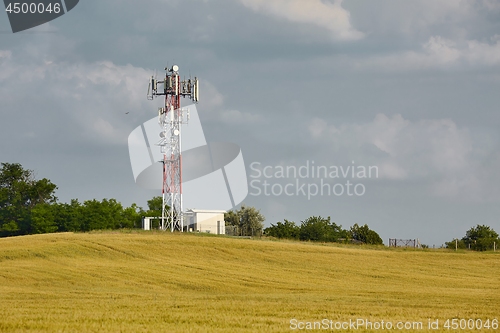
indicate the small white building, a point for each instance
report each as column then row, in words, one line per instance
column 209, row 221
column 147, row 222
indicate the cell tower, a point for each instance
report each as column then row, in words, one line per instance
column 170, row 118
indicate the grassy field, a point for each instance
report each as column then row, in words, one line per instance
column 162, row 282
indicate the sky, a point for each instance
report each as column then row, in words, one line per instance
column 410, row 88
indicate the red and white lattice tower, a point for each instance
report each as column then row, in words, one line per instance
column 170, row 118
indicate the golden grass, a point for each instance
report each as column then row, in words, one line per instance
column 162, row 282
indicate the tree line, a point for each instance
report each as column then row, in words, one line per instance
column 319, row 229
column 248, row 221
column 478, row 238
column 29, row 206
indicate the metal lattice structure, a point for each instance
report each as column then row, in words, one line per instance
column 404, row 242
column 170, row 119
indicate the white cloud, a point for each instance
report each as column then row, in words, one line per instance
column 438, row 52
column 213, row 102
column 483, row 53
column 5, row 54
column 104, row 129
column 238, row 117
column 433, row 150
column 210, row 96
column 317, row 127
column 441, row 51
column 95, row 96
column 6, row 70
column 330, row 16
column 416, row 18
column 491, row 5
column 423, row 14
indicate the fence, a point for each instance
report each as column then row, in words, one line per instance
column 404, row 242
column 232, row 230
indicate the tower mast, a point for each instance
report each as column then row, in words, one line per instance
column 170, row 119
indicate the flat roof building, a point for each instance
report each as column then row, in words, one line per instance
column 203, row 220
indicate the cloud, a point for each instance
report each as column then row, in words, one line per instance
column 330, row 16
column 438, row 52
column 492, row 5
column 238, row 117
column 417, row 18
column 483, row 53
column 424, row 14
column 317, row 127
column 436, row 151
column 211, row 97
column 441, row 51
column 90, row 99
column 213, row 102
column 5, row 54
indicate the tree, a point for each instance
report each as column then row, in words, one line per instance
column 251, row 221
column 286, row 229
column 155, row 210
column 29, row 206
column 20, row 193
column 248, row 220
column 231, row 218
column 154, row 206
column 43, row 219
column 105, row 214
column 319, row 229
column 365, row 235
column 69, row 217
column 132, row 216
column 479, row 238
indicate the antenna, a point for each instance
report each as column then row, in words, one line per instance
column 156, row 75
column 151, row 88
column 170, row 118
column 196, row 90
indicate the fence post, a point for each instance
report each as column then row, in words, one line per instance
column 456, row 244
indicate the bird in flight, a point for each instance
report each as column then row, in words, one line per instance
column 127, row 112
